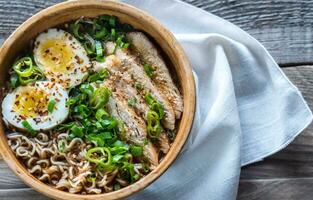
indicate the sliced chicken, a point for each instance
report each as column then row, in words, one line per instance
column 130, row 67
column 135, row 127
column 150, row 152
column 164, row 143
column 162, row 79
column 124, row 83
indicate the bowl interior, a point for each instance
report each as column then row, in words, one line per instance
column 72, row 10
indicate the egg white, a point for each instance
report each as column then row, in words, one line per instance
column 61, row 57
column 44, row 120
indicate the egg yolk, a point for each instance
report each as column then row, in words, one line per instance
column 56, row 55
column 31, row 102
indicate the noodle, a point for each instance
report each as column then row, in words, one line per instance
column 68, row 171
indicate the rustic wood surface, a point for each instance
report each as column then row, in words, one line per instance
column 284, row 27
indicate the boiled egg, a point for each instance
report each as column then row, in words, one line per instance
column 61, row 57
column 30, row 103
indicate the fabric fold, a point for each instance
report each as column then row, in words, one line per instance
column 247, row 108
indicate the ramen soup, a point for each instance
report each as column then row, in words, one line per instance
column 91, row 107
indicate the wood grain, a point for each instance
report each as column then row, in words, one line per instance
column 277, row 189
column 284, row 27
column 278, row 24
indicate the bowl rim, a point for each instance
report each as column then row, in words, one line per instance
column 183, row 131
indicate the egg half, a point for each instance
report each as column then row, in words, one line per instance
column 31, row 102
column 61, row 57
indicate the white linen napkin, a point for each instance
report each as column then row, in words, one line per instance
column 247, row 109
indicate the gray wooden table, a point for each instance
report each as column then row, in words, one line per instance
column 285, row 29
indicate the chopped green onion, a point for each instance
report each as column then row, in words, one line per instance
column 149, row 99
column 14, row 81
column 149, row 70
column 101, row 113
column 157, row 107
column 113, row 34
column 105, row 135
column 75, row 29
column 29, row 127
column 154, row 126
column 132, row 102
column 145, row 168
column 112, row 21
column 87, row 89
column 99, row 76
column 136, row 150
column 120, row 43
column 24, row 67
column 119, row 147
column 138, row 86
column 91, row 178
column 26, row 71
column 125, row 45
column 109, row 123
column 117, row 158
column 96, row 139
column 51, row 105
column 145, row 142
column 99, row 52
column 71, row 101
column 128, row 172
column 61, row 145
column 77, row 131
column 100, row 156
column 105, row 155
column 100, row 35
column 89, row 45
column 82, row 111
column 100, row 139
column 100, row 97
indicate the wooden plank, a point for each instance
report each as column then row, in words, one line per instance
column 276, row 189
column 21, row 194
column 9, row 180
column 279, row 24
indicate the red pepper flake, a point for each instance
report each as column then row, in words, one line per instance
column 78, row 59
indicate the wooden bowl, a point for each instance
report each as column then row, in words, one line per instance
column 71, row 10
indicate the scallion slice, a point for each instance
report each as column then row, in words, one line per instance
column 29, row 128
column 51, row 105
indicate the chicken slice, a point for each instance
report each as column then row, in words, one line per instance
column 162, row 79
column 130, row 67
column 124, row 83
column 135, row 127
